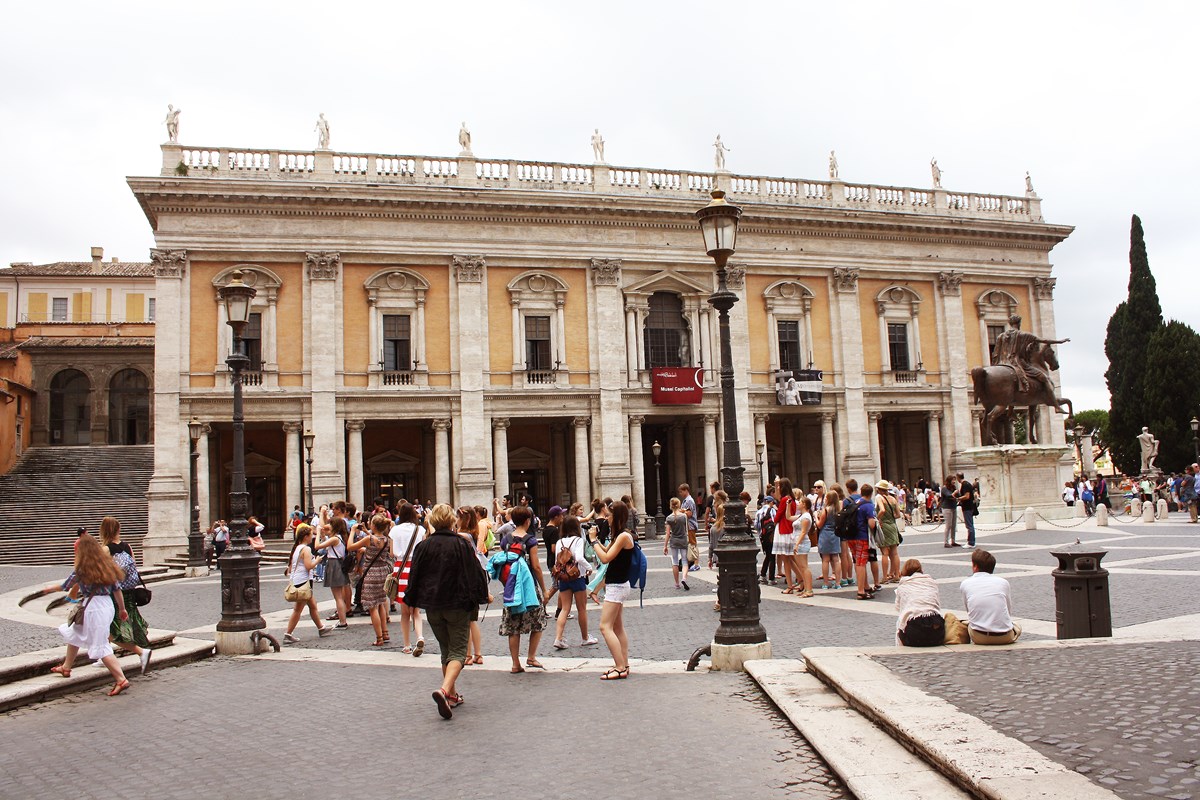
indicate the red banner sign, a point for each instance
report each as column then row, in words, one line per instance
column 677, row 386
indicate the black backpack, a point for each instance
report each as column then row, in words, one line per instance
column 846, row 524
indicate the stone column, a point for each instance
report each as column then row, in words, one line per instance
column 204, row 480
column 631, row 346
column 613, row 475
column 324, row 329
column 441, row 461
column 1085, row 447
column 638, row 462
column 293, row 469
column 856, row 459
column 710, row 449
column 500, row 454
column 558, row 443
column 169, row 517
column 788, row 429
column 976, row 431
column 518, row 364
column 475, row 484
column 950, row 301
column 583, row 473
column 354, row 463
column 828, row 464
column 873, row 423
column 936, row 465
column 885, row 354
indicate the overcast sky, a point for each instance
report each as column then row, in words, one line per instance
column 1097, row 100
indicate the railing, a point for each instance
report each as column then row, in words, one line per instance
column 398, row 378
column 466, row 171
column 905, row 376
column 539, row 377
column 254, row 378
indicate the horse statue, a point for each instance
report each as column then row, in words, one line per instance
column 998, row 390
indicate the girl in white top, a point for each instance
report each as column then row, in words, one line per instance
column 402, row 537
column 804, row 524
column 301, row 564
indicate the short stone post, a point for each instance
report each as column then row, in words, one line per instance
column 1135, row 507
column 1162, row 509
column 1030, row 519
column 1147, row 512
column 1102, row 515
column 1080, row 509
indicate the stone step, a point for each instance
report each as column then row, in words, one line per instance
column 872, row 764
column 37, row 688
column 39, row 662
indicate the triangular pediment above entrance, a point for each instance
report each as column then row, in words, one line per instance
column 390, row 461
column 669, row 280
column 527, row 458
column 258, row 466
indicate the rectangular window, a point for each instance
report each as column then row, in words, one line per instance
column 898, row 345
column 252, row 342
column 397, row 342
column 537, row 343
column 664, row 347
column 790, row 357
column 59, row 309
column 135, row 307
column 993, row 331
column 150, row 309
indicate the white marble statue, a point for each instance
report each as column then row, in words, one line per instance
column 1149, row 446
column 721, row 150
column 172, row 121
column 937, row 173
column 833, row 166
column 1029, row 184
column 464, row 138
column 598, row 146
column 322, row 133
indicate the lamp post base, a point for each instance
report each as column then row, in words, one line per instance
column 732, row 657
column 235, row 643
column 195, row 572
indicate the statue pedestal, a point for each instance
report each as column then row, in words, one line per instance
column 1014, row 477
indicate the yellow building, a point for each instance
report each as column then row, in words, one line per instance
column 457, row 329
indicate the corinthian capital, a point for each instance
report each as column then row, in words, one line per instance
column 323, row 266
column 606, row 271
column 169, row 263
column 468, row 269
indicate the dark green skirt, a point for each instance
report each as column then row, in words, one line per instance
column 132, row 630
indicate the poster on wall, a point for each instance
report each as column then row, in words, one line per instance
column 802, row 387
column 676, row 386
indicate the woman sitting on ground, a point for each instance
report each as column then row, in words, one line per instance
column 920, row 622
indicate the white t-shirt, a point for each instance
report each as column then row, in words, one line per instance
column 576, row 545
column 1069, row 494
column 401, row 535
column 988, row 599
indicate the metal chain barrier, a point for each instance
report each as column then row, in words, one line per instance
column 938, row 526
column 1055, row 524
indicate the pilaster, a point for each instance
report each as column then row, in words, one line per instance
column 475, row 483
column 323, row 270
column 613, row 474
column 949, row 284
column 857, row 461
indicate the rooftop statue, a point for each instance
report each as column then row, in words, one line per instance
column 721, row 150
column 172, row 121
column 464, row 138
column 322, row 133
column 598, row 146
column 937, row 173
column 833, row 166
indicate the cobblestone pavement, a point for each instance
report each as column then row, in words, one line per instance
column 234, row 728
column 17, row 637
column 1126, row 716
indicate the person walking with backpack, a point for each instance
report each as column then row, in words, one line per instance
column 571, row 569
column 335, row 578
column 519, row 569
column 676, row 544
column 618, row 555
column 764, row 522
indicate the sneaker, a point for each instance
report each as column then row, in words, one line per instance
column 419, row 649
column 570, row 615
column 290, row 639
column 591, row 640
column 677, row 586
column 559, row 644
column 145, row 659
column 694, row 568
column 686, row 588
column 324, row 631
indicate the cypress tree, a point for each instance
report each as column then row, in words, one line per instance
column 1127, row 345
column 1172, row 396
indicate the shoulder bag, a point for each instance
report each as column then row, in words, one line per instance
column 391, row 584
column 293, row 593
column 75, row 615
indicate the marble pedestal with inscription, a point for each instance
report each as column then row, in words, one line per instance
column 1013, row 477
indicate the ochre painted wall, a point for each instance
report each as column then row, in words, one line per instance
column 970, row 295
column 437, row 323
column 203, row 311
column 872, row 348
column 289, row 319
column 500, row 340
column 356, row 324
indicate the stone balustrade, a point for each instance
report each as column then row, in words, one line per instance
column 467, row 171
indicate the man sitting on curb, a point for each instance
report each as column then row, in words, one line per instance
column 989, row 603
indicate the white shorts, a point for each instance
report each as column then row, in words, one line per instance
column 617, row 592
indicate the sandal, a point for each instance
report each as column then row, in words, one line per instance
column 806, row 594
column 517, row 670
column 61, row 670
column 120, row 687
column 867, row 596
column 455, row 700
column 406, row 650
column 379, row 642
column 535, row 664
column 615, row 674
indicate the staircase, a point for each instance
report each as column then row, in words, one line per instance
column 54, row 490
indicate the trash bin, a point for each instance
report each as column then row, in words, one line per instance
column 1081, row 593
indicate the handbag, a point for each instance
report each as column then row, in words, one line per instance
column 75, row 614
column 141, row 595
column 392, row 590
column 349, row 560
column 298, row 594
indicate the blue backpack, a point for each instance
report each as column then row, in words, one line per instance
column 637, row 572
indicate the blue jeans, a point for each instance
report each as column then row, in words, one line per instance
column 969, row 521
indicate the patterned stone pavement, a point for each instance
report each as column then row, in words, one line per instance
column 1126, row 716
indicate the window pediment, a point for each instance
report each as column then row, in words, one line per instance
column 788, row 296
column 898, row 299
column 670, row 280
column 403, row 286
column 995, row 303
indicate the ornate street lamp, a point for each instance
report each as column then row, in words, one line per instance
column 310, row 438
column 1078, row 431
column 741, row 635
column 760, row 447
column 195, row 565
column 659, row 520
column 240, row 605
column 1195, row 423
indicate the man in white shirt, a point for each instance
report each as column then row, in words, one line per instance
column 989, row 603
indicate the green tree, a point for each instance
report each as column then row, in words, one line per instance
column 1095, row 422
column 1173, row 396
column 1127, row 345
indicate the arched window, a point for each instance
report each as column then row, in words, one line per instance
column 70, row 408
column 129, row 408
column 668, row 343
column 259, row 336
column 899, row 309
column 790, row 342
column 993, row 307
column 396, row 327
column 538, row 300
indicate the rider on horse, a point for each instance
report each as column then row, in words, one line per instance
column 1021, row 351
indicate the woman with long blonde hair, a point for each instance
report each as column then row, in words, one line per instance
column 94, row 584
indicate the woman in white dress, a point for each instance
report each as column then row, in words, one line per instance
column 786, row 539
column 94, row 583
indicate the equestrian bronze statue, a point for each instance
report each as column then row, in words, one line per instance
column 1019, row 378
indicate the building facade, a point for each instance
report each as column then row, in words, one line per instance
column 458, row 329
